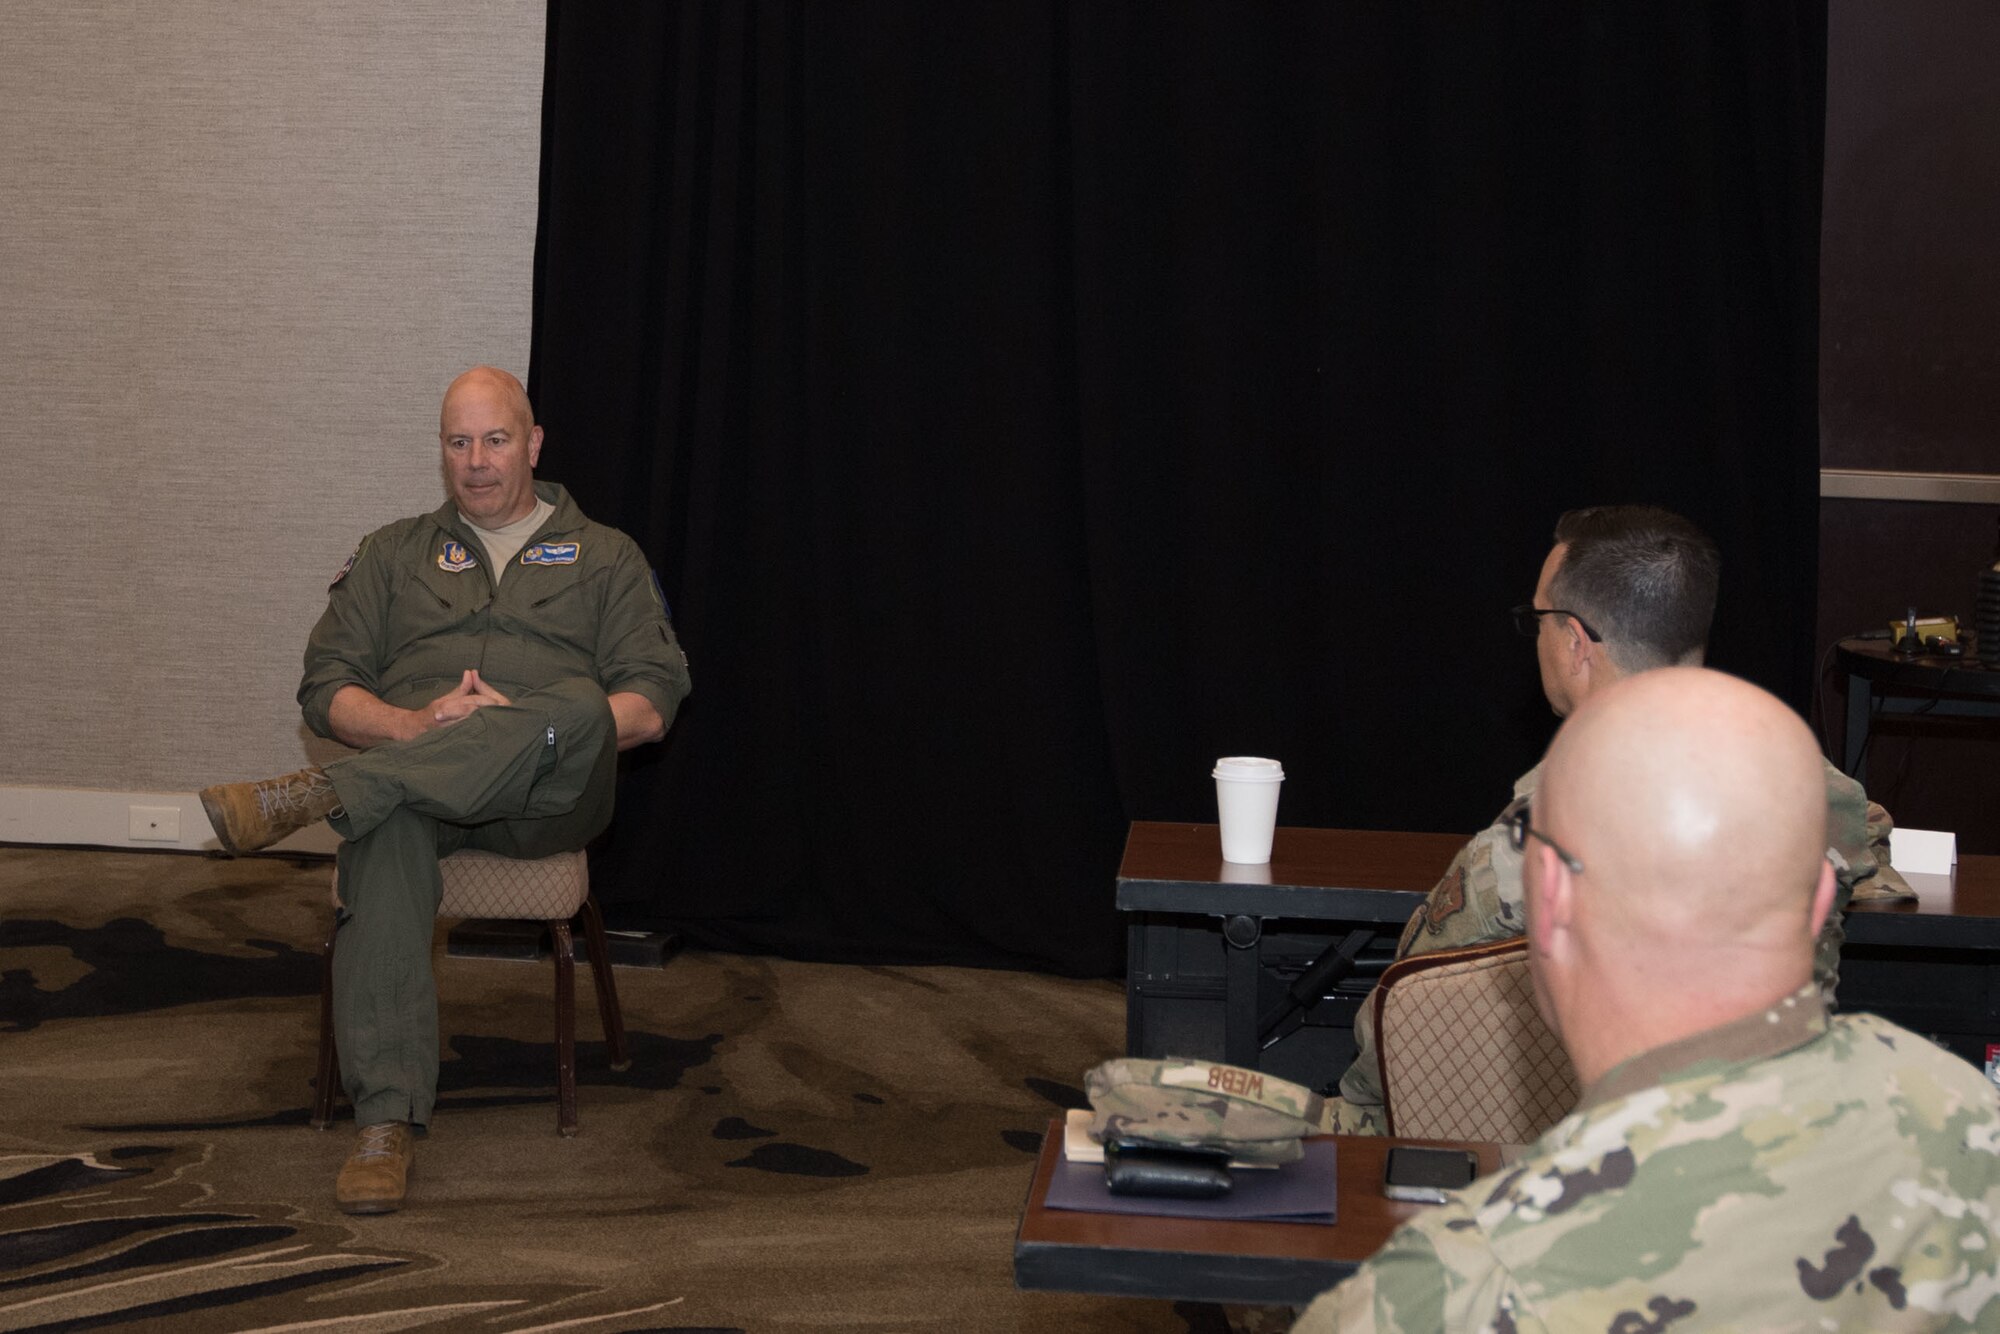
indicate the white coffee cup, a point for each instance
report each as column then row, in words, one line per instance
column 1246, row 799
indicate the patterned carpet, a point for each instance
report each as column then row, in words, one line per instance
column 795, row 1147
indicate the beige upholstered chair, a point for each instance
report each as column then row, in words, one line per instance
column 1463, row 1052
column 484, row 884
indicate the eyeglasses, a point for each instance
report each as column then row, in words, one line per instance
column 1519, row 831
column 1528, row 620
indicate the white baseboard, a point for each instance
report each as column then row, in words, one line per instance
column 96, row 819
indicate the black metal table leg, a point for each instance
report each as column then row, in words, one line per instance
column 1239, row 1024
column 1859, row 692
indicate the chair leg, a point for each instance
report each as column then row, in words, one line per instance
column 328, row 1077
column 607, row 989
column 565, row 1027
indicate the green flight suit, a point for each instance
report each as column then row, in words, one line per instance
column 577, row 618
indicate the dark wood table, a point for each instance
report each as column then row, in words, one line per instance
column 1372, row 875
column 1372, row 880
column 1379, row 875
column 1186, row 1259
column 1932, row 966
column 1881, row 680
column 1963, row 914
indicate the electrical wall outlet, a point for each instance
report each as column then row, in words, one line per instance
column 155, row 824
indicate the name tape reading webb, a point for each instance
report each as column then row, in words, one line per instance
column 1280, row 1095
column 1254, row 1116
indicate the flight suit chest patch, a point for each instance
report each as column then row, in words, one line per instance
column 551, row 553
column 455, row 558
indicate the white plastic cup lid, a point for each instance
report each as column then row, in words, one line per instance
column 1249, row 769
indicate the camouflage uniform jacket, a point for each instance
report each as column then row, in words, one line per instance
column 415, row 607
column 1479, row 901
column 1782, row 1172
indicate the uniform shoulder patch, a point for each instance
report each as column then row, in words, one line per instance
column 341, row 573
column 455, row 558
column 1446, row 899
column 551, row 553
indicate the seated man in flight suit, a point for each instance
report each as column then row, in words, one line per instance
column 1625, row 589
column 488, row 660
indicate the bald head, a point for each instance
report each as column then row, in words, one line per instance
column 488, row 383
column 1698, row 794
column 1696, row 804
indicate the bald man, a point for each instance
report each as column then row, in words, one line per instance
column 1740, row 1160
column 488, row 660
column 1625, row 589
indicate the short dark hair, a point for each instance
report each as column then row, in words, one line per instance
column 1643, row 577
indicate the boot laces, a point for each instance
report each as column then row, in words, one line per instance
column 378, row 1141
column 283, row 796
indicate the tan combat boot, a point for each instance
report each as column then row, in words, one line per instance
column 249, row 816
column 376, row 1174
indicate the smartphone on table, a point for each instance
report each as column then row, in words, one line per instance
column 1422, row 1175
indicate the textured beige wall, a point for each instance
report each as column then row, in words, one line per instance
column 243, row 246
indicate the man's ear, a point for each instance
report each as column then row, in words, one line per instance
column 534, row 446
column 1551, row 895
column 1581, row 646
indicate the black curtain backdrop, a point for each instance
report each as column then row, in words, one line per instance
column 1025, row 405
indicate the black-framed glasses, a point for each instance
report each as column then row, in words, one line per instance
column 1528, row 620
column 1519, row 831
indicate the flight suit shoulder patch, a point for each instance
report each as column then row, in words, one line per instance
column 1445, row 901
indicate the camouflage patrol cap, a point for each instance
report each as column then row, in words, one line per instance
column 1189, row 1103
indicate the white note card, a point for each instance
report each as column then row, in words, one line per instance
column 1923, row 851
